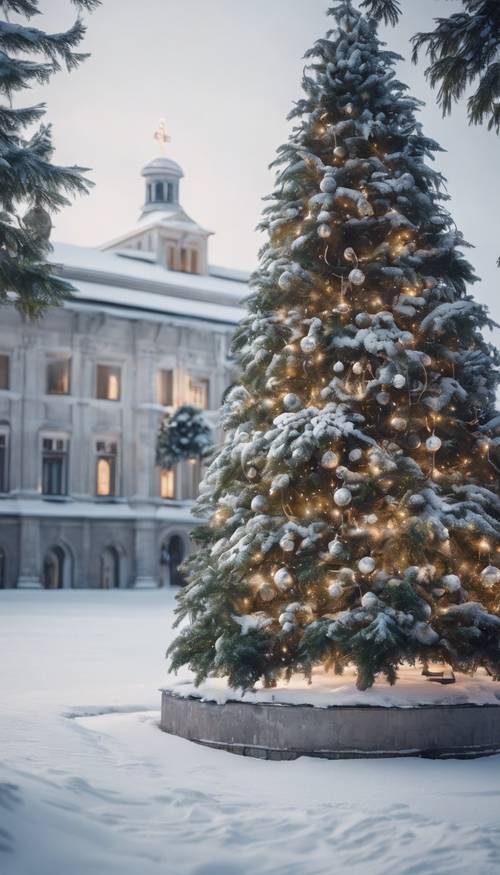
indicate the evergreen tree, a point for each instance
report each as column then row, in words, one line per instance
column 463, row 49
column 353, row 511
column 31, row 186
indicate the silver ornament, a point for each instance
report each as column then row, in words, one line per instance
column 328, row 185
column 283, row 578
column 336, row 549
column 399, row 423
column 398, row 381
column 490, row 575
column 451, row 582
column 287, row 544
column 308, row 344
column 324, row 231
column 356, row 277
column 369, row 601
column 342, row 497
column 338, row 368
column 413, row 441
column 340, row 152
column 292, row 402
column 329, row 459
column 259, row 503
column 266, row 592
column 349, row 254
column 335, row 590
column 433, row 443
column 357, row 368
column 383, row 398
column 366, row 565
column 355, row 455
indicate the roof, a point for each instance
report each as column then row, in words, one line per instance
column 162, row 165
column 130, row 282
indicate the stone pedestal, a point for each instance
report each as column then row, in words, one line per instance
column 285, row 732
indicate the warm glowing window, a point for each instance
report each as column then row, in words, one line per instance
column 171, row 257
column 106, row 469
column 165, row 387
column 167, row 484
column 4, row 372
column 198, row 391
column 109, row 382
column 58, row 375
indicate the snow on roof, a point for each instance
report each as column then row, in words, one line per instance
column 122, row 279
column 115, row 510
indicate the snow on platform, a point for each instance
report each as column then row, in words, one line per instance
column 327, row 690
column 90, row 786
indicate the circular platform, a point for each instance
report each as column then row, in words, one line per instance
column 279, row 731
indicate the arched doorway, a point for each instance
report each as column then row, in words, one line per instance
column 110, row 569
column 54, row 568
column 3, row 563
column 172, row 554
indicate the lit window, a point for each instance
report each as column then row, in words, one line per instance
column 194, row 261
column 4, row 371
column 167, row 484
column 171, row 257
column 198, row 393
column 165, row 388
column 58, row 375
column 4, row 461
column 109, row 382
column 106, row 480
column 54, row 466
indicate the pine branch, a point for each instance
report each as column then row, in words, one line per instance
column 388, row 11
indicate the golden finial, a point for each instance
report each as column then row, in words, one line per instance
column 161, row 136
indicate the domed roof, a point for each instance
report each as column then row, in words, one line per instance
column 163, row 166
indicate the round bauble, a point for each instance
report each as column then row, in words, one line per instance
column 366, row 565
column 335, row 590
column 338, row 368
column 398, row 381
column 451, row 582
column 490, row 575
column 371, row 519
column 252, row 473
column 340, row 152
column 433, row 444
column 356, row 277
column 357, row 368
column 285, row 281
column 329, row 459
column 292, row 402
column 355, row 455
column 287, row 544
column 349, row 254
column 383, row 398
column 328, row 185
column 283, row 578
column 259, row 503
column 308, row 344
column 363, row 320
column 369, row 601
column 413, row 441
column 336, row 549
column 266, row 592
column 399, row 423
column 324, row 231
column 342, row 497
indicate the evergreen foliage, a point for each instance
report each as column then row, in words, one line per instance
column 353, row 512
column 183, row 434
column 463, row 49
column 31, row 186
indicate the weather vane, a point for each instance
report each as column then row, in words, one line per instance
column 161, row 136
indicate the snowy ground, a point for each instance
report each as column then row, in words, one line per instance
column 90, row 786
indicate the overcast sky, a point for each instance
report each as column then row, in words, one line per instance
column 224, row 74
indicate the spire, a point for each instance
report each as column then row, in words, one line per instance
column 161, row 136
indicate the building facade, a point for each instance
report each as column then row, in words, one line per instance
column 82, row 392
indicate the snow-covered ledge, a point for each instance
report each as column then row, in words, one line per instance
column 332, row 719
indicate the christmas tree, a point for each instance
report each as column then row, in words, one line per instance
column 32, row 186
column 353, row 511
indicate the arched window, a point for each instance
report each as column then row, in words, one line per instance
column 110, row 569
column 54, row 568
column 172, row 555
column 3, row 570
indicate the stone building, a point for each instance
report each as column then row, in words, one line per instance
column 82, row 393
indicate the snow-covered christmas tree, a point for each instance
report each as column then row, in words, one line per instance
column 353, row 512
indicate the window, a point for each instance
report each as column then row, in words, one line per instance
column 4, row 372
column 198, row 393
column 167, row 484
column 170, row 192
column 58, row 375
column 148, row 193
column 4, row 454
column 171, row 258
column 109, row 382
column 106, row 469
column 158, row 192
column 194, row 261
column 165, row 388
column 54, row 466
column 3, row 563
